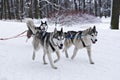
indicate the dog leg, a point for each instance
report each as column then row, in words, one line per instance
column 58, row 57
column 67, row 45
column 66, row 53
column 89, row 54
column 44, row 61
column 65, row 50
column 74, row 53
column 50, row 60
column 33, row 57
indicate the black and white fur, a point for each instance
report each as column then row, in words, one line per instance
column 81, row 39
column 32, row 29
column 50, row 42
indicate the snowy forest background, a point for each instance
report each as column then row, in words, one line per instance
column 20, row 9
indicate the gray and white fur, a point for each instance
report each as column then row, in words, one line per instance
column 81, row 39
column 33, row 29
column 50, row 42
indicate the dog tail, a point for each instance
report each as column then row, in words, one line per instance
column 30, row 25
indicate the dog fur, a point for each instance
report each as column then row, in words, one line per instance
column 81, row 39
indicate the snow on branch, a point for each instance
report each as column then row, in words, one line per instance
column 55, row 5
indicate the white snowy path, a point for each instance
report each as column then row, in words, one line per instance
column 16, row 57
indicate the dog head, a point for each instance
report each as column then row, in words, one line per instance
column 93, row 34
column 43, row 26
column 58, row 38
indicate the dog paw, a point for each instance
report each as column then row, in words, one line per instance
column 45, row 63
column 67, row 56
column 55, row 61
column 72, row 58
column 33, row 58
column 54, row 67
column 92, row 63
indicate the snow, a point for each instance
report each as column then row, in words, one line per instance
column 16, row 56
column 73, row 19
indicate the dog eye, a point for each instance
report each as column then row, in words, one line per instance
column 96, row 32
column 62, row 37
column 58, row 38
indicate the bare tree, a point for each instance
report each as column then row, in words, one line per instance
column 83, row 6
column 100, row 8
column 1, row 9
column 8, row 9
column 4, row 12
column 115, row 14
column 19, row 9
column 95, row 4
column 75, row 4
column 36, row 9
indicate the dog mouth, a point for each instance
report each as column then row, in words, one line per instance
column 93, row 41
column 60, row 47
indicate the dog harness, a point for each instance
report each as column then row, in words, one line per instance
column 51, row 46
column 72, row 36
column 83, row 42
column 79, row 36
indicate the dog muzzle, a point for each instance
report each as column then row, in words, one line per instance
column 94, row 41
column 61, row 46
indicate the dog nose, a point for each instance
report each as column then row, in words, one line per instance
column 61, row 45
column 95, row 39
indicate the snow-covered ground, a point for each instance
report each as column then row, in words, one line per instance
column 16, row 56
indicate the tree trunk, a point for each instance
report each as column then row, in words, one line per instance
column 4, row 15
column 115, row 14
column 1, row 9
column 12, row 9
column 30, row 10
column 75, row 3
column 36, row 14
column 100, row 6
column 17, row 9
column 8, row 9
column 79, row 5
column 21, row 9
column 83, row 6
column 95, row 3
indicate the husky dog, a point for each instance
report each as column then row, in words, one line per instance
column 32, row 29
column 50, row 42
column 81, row 39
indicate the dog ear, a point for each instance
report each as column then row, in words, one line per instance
column 61, row 29
column 94, row 28
column 41, row 22
column 85, row 32
column 55, row 30
column 45, row 22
